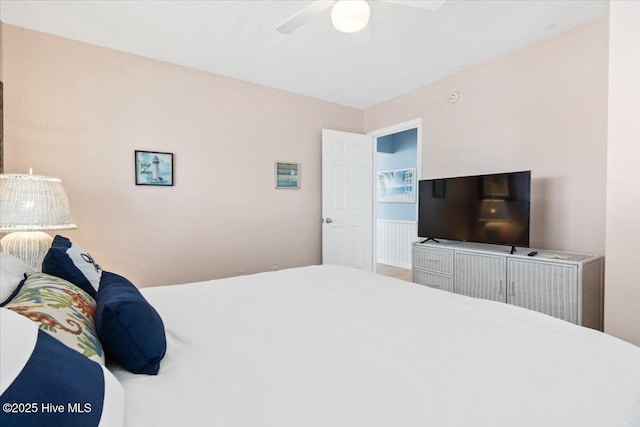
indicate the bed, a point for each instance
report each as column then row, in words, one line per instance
column 332, row 346
column 311, row 346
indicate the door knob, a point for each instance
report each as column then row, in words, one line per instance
column 328, row 220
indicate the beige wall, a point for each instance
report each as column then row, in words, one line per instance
column 78, row 112
column 1, row 50
column 543, row 108
column 1, row 106
column 622, row 293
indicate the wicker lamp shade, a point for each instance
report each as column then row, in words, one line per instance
column 29, row 205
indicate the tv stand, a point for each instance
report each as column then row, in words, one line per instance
column 429, row 239
column 560, row 284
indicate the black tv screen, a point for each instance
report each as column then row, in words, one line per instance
column 484, row 208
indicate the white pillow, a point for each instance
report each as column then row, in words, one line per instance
column 12, row 272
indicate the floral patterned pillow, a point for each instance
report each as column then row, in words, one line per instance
column 61, row 309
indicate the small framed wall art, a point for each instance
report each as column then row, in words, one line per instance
column 154, row 168
column 397, row 186
column 439, row 189
column 287, row 175
column 495, row 186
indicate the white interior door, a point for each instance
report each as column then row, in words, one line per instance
column 347, row 199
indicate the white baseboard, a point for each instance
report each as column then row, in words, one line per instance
column 394, row 263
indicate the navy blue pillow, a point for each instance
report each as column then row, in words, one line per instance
column 72, row 263
column 44, row 374
column 130, row 329
column 55, row 376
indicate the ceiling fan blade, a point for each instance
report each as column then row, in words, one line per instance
column 422, row 4
column 304, row 15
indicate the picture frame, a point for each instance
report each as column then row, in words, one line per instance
column 287, row 175
column 154, row 168
column 495, row 186
column 397, row 186
column 439, row 189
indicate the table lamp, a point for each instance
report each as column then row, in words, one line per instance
column 494, row 210
column 29, row 205
column 495, row 213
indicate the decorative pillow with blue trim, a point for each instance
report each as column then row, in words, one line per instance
column 130, row 329
column 71, row 262
column 60, row 309
column 45, row 383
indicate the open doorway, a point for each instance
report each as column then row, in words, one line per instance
column 397, row 164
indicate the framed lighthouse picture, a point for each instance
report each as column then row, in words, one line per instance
column 154, row 168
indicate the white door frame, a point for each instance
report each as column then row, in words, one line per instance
column 379, row 133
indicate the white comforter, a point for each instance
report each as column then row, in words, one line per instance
column 330, row 346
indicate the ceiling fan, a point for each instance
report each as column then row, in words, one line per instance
column 348, row 16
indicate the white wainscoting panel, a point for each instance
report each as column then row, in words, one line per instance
column 394, row 242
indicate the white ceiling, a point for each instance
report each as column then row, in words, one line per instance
column 401, row 49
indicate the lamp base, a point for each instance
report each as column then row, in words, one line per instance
column 28, row 246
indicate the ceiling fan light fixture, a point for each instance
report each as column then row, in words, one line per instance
column 350, row 16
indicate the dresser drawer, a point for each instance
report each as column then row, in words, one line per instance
column 436, row 260
column 433, row 280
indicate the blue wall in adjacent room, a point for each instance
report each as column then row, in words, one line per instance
column 398, row 151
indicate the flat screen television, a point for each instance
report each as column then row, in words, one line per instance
column 484, row 208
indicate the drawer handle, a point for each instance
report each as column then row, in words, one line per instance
column 433, row 260
column 513, row 289
column 500, row 288
column 433, row 286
